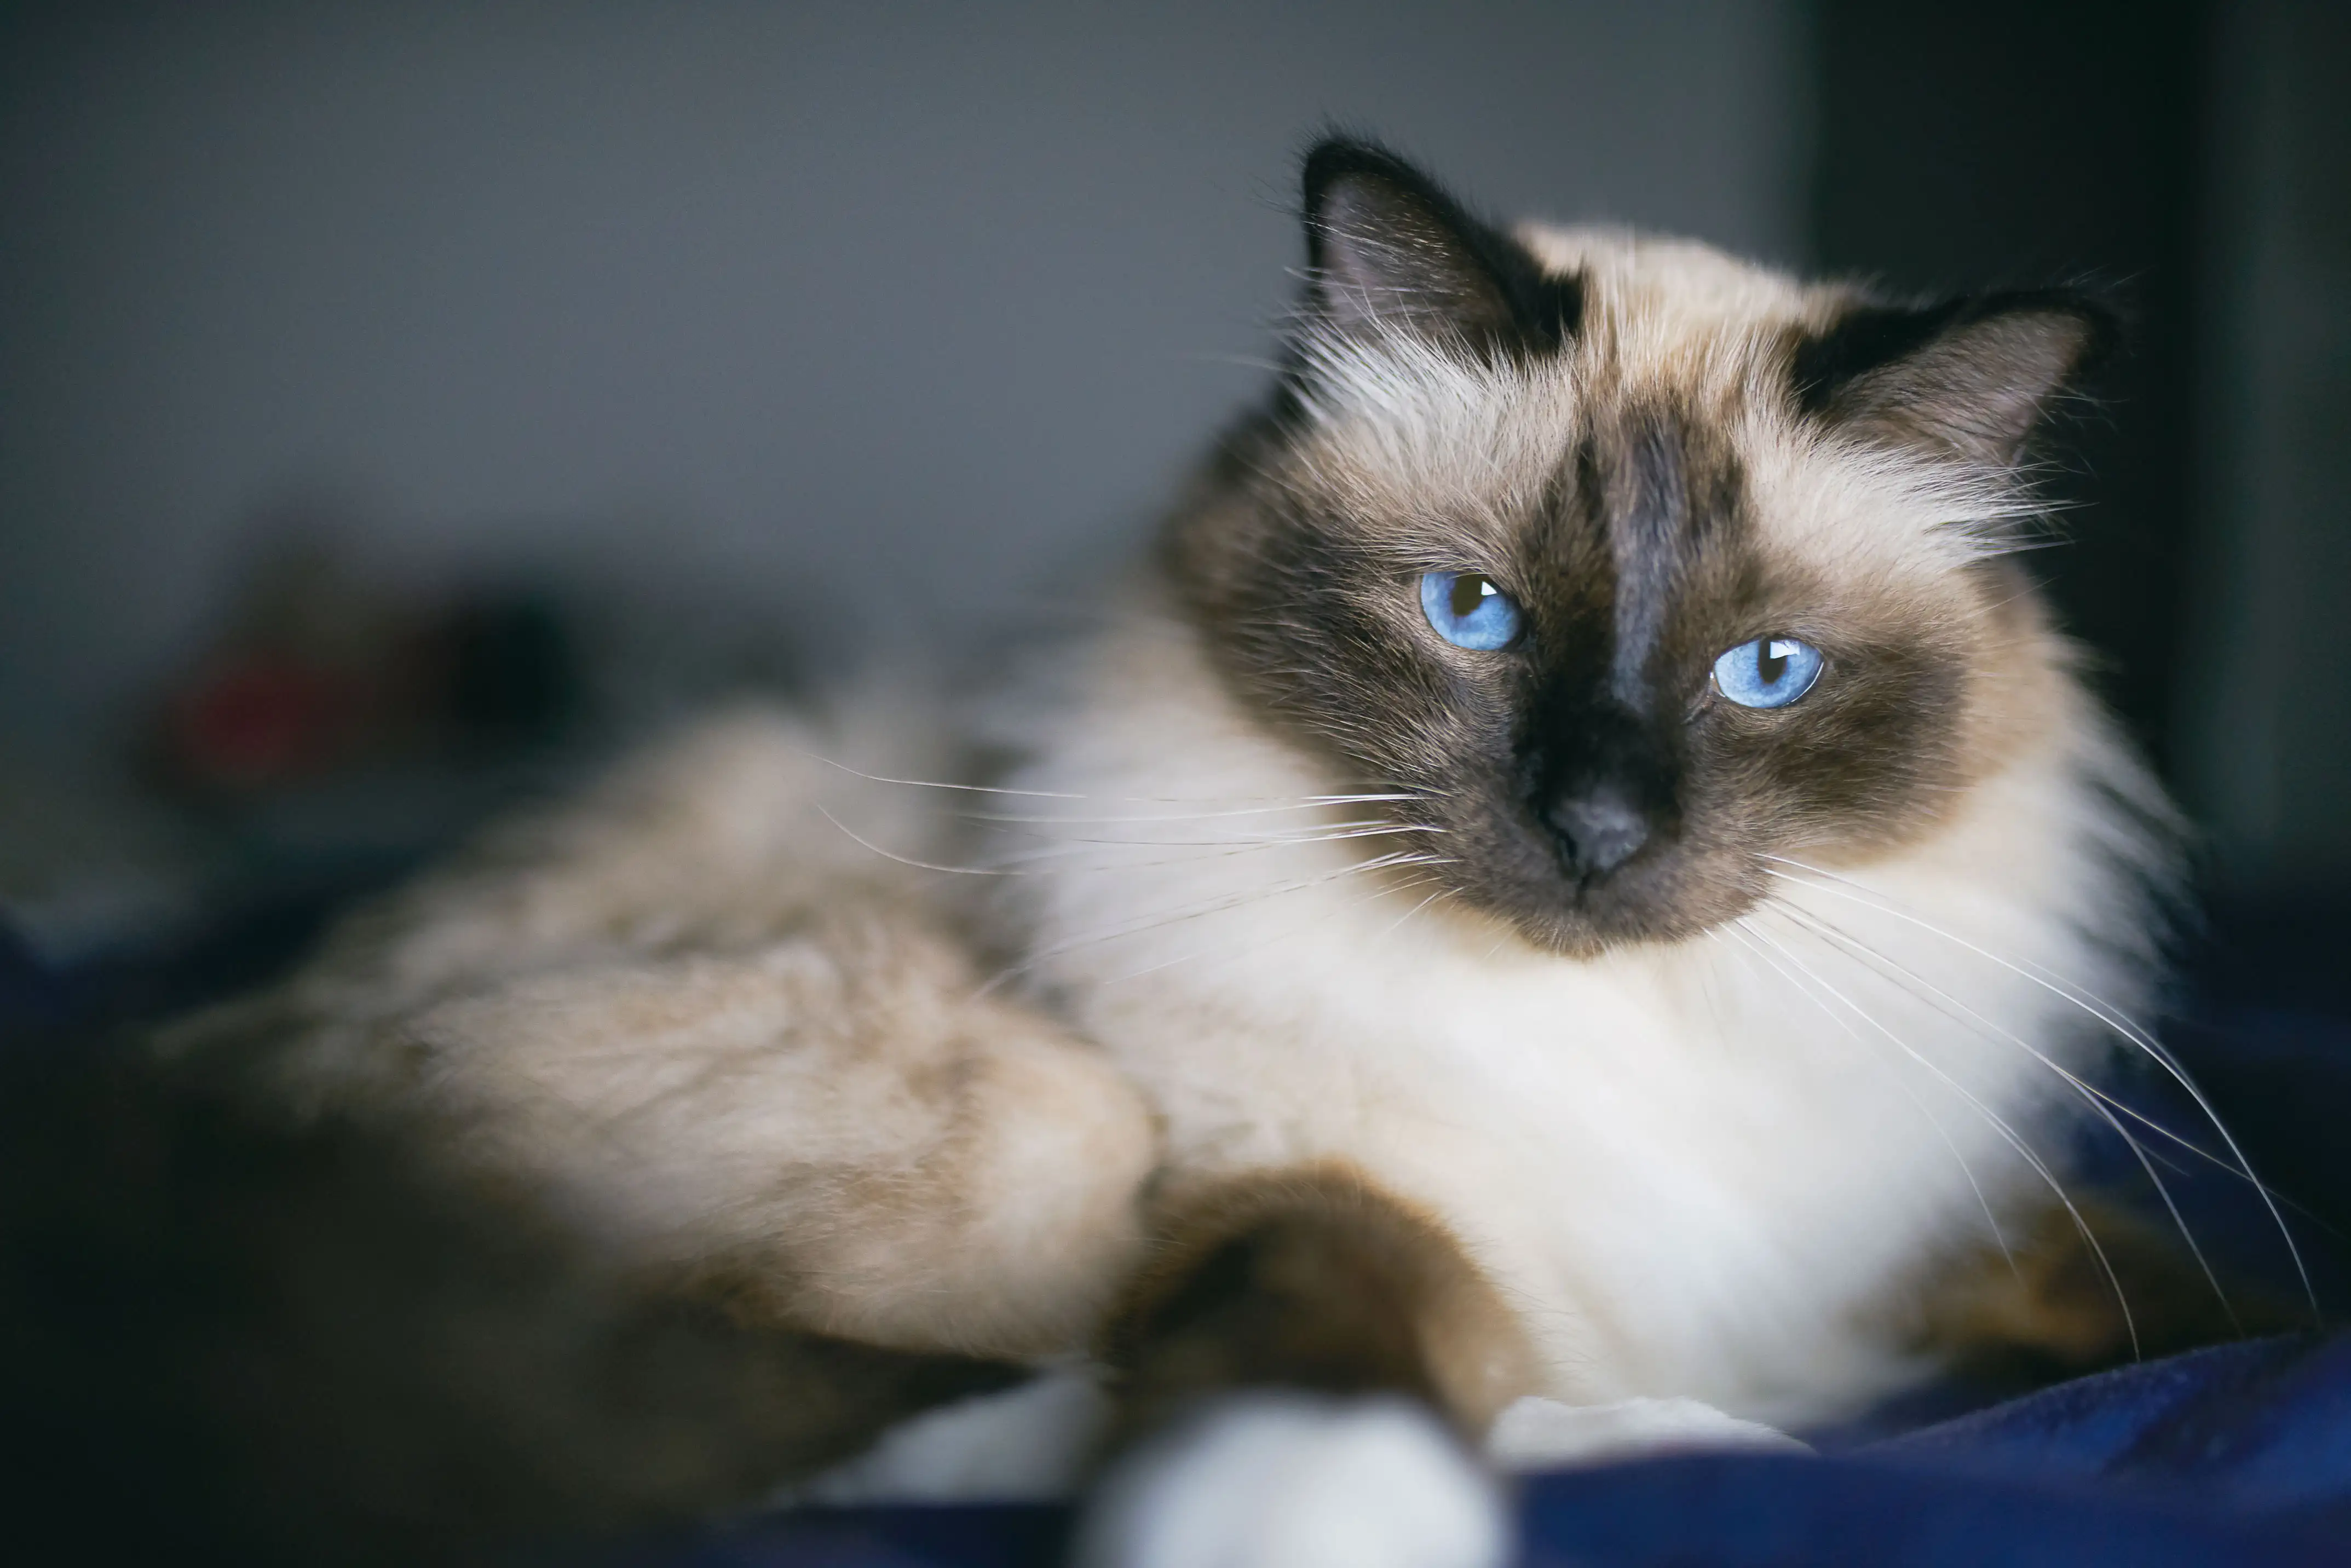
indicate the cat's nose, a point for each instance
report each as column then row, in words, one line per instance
column 1600, row 828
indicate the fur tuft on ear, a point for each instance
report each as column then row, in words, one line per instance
column 1968, row 378
column 1387, row 249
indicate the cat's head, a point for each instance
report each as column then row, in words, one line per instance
column 1632, row 564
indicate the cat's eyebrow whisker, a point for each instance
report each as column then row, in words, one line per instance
column 2105, row 1012
column 1998, row 1123
column 2097, row 1101
column 1992, row 1221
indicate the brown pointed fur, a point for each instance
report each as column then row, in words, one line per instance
column 1310, row 1278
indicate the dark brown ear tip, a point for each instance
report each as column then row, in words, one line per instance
column 2100, row 310
column 1388, row 178
column 1386, row 242
column 2112, row 326
column 1905, row 367
column 1343, row 156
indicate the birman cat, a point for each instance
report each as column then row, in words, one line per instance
column 1550, row 917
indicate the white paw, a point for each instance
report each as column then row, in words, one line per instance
column 1537, row 1434
column 1029, row 1444
column 1281, row 1480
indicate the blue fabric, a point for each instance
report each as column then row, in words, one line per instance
column 2240, row 1455
column 2233, row 1456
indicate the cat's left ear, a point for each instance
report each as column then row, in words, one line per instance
column 1968, row 378
column 1388, row 251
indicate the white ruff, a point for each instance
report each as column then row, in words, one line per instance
column 1694, row 1169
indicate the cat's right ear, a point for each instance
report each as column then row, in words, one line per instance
column 1389, row 252
column 1969, row 377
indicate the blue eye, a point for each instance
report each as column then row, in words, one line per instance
column 1467, row 609
column 1770, row 671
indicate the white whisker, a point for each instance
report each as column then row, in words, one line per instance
column 1210, row 906
column 937, row 784
column 1266, row 841
column 2097, row 1007
column 1992, row 1221
column 1998, row 1123
column 1302, row 804
column 1392, row 929
column 1255, row 941
column 866, row 843
column 1287, row 803
column 2091, row 1096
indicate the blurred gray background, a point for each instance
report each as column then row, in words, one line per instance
column 882, row 322
column 862, row 307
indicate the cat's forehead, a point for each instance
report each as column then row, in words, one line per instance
column 1663, row 296
column 1418, row 442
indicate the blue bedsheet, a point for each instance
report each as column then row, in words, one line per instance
column 2235, row 1455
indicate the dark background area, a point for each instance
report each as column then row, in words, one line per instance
column 2197, row 159
column 2034, row 143
column 399, row 405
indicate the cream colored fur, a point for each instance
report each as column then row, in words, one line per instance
column 695, row 1015
column 711, row 1010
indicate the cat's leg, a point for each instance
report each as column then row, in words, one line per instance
column 1302, row 1374
column 2051, row 1306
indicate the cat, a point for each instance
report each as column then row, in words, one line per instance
column 1565, row 896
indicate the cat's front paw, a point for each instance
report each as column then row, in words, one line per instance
column 1537, row 1434
column 1280, row 1481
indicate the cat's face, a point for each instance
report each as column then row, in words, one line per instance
column 1634, row 567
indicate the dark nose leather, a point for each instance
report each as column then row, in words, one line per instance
column 1600, row 830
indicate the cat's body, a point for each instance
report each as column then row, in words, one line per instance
column 1702, row 1175
column 1337, row 984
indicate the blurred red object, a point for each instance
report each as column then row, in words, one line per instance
column 322, row 668
column 255, row 719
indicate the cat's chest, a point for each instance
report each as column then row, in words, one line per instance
column 1685, row 1174
column 1578, row 1092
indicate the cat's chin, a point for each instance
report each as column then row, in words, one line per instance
column 1512, row 878
column 1585, row 945
column 1586, row 925
column 1567, row 936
